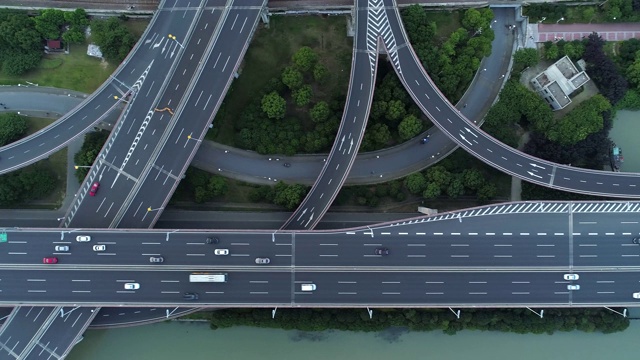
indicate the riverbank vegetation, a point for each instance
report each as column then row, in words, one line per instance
column 520, row 321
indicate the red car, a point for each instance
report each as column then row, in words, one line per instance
column 50, row 260
column 94, row 189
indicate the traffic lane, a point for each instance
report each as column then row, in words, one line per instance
column 155, row 287
column 604, row 251
column 126, row 158
column 134, row 248
column 184, row 137
column 433, row 288
column 484, row 220
column 598, row 183
column 606, row 287
column 344, row 150
column 445, row 251
column 23, row 323
column 172, row 97
column 395, row 23
column 61, row 335
column 472, row 139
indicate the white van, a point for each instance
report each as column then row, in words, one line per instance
column 308, row 287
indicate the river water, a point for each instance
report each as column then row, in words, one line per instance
column 625, row 133
column 196, row 341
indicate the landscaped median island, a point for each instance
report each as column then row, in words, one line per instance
column 520, row 321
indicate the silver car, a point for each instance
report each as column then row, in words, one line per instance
column 99, row 247
column 262, row 261
column 62, row 248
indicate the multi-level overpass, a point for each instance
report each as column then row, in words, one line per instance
column 496, row 254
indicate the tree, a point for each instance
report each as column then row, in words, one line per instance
column 439, row 175
column 77, row 18
column 472, row 179
column 415, row 183
column 12, row 128
column 320, row 112
column 409, row 127
column 526, row 57
column 292, row 78
column 21, row 62
column 289, row 196
column 73, row 36
column 455, row 188
column 302, row 96
column 274, row 105
column 395, row 111
column 588, row 13
column 115, row 39
column 432, row 191
column 49, row 23
column 305, row 58
column 93, row 142
column 633, row 71
column 320, row 73
column 217, row 185
column 583, row 120
column 487, row 192
column 552, row 53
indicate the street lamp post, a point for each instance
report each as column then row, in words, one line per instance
column 561, row 19
column 192, row 138
column 81, row 166
column 149, row 209
column 173, row 37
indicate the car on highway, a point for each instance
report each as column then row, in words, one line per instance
column 94, row 189
column 212, row 240
column 156, row 259
column 190, row 296
column 99, row 247
column 636, row 240
column 571, row 277
column 636, row 295
column 573, row 287
column 50, row 260
column 262, row 261
column 286, row 165
column 382, row 251
column 424, row 140
column 62, row 248
column 221, row 252
column 308, row 287
column 83, row 238
column 131, row 286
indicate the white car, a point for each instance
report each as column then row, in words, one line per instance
column 570, row 277
column 573, row 287
column 221, row 252
column 132, row 286
column 99, row 247
column 83, row 238
column 636, row 295
column 62, row 248
column 308, row 287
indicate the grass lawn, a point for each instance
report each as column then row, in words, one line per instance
column 446, row 22
column 76, row 71
column 271, row 50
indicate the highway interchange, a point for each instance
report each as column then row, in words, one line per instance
column 170, row 98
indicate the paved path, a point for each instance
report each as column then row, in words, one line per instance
column 569, row 32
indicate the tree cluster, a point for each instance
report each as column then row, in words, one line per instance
column 12, row 128
column 603, row 71
column 292, row 115
column 21, row 36
column 451, row 63
column 282, row 194
column 557, row 49
column 114, row 39
column 520, row 321
column 203, row 186
column 93, row 143
column 437, row 180
column 33, row 182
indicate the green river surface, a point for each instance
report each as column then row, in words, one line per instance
column 196, row 341
column 626, row 134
